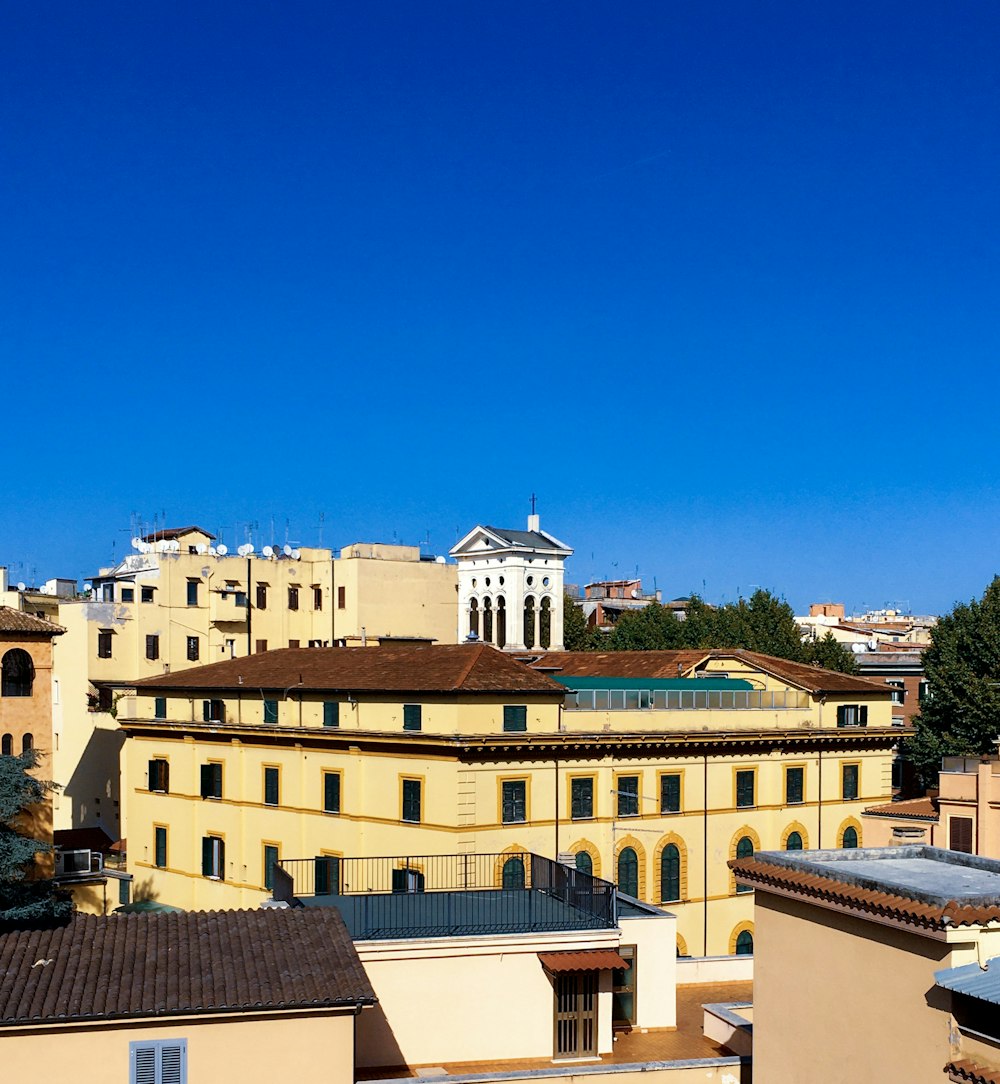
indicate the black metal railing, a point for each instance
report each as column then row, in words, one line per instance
column 450, row 895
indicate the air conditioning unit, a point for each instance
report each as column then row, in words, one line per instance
column 80, row 863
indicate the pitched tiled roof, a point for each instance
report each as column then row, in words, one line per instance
column 535, row 540
column 624, row 664
column 175, row 532
column 814, row 679
column 466, row 668
column 106, row 967
column 27, row 624
column 972, row 1072
column 912, row 808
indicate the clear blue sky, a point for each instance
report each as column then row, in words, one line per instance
column 719, row 282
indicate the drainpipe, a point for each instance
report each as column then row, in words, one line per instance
column 819, row 805
column 249, row 609
column 555, row 768
column 704, row 832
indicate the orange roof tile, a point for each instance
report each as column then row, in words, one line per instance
column 924, row 808
column 16, row 621
column 972, row 1072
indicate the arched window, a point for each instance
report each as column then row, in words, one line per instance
column 7, row 745
column 487, row 621
column 744, row 849
column 513, row 873
column 670, row 873
column 744, row 944
column 501, row 621
column 628, row 872
column 27, row 743
column 473, row 617
column 17, row 673
column 850, row 838
column 794, row 842
column 529, row 621
column 584, row 863
column 545, row 623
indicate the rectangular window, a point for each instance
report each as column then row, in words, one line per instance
column 331, row 792
column 331, row 713
column 623, row 985
column 270, row 711
column 270, row 861
column 262, row 596
column 411, row 800
column 341, row 598
column 852, row 715
column 104, row 643
column 411, row 717
column 240, row 599
column 261, row 646
column 146, row 594
column 514, row 801
column 744, row 789
column 192, row 592
column 160, row 707
column 293, row 598
column 211, row 780
column 152, row 647
column 849, row 782
column 293, row 643
column 107, row 592
column 960, row 834
column 515, row 717
column 128, row 594
column 193, row 649
column 160, row 847
column 898, row 691
column 272, row 789
column 160, row 1061
column 581, row 799
column 794, row 785
column 327, row 873
column 159, row 776
column 628, row 795
column 213, row 857
column 670, row 793
column 213, row 711
column 317, row 598
column 923, row 691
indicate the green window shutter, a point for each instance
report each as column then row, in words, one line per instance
column 160, row 708
column 411, row 717
column 331, row 713
column 863, row 715
column 793, row 786
column 842, row 715
column 513, row 802
column 744, row 789
column 270, row 861
column 160, row 835
column 206, row 711
column 628, row 797
column 670, row 873
column 794, row 842
column 411, row 800
column 581, row 799
column 850, row 782
column 327, row 875
column 628, row 872
column 331, row 792
column 515, row 717
column 207, row 855
column 744, row 849
column 513, row 874
column 270, row 711
column 207, row 788
column 584, row 863
column 271, row 778
column 670, row 794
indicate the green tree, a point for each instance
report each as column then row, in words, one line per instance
column 653, row 628
column 961, row 716
column 577, row 634
column 830, row 654
column 25, row 899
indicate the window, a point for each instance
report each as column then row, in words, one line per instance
column 7, row 745
column 27, row 743
column 261, row 646
column 17, row 673
column 262, row 596
column 411, row 800
column 213, row 857
column 293, row 598
column 293, row 643
column 898, row 691
column 515, row 717
column 327, row 874
column 192, row 592
column 670, row 793
column 160, row 847
column 270, row 711
column 581, row 800
column 852, row 715
column 107, row 592
column 163, row 1061
column 793, row 786
column 513, row 873
column 213, row 711
column 411, row 717
column 670, row 873
column 341, row 598
column 584, row 863
column 794, row 841
column 623, row 987
column 211, row 780
column 146, row 594
column 744, row 943
column 850, row 838
column 160, row 707
column 849, row 782
column 628, row 872
column 744, row 849
column 331, row 792
column 317, row 598
column 959, row 834
column 159, row 776
column 628, row 797
column 923, row 691
column 514, row 800
column 272, row 788
column 128, row 594
column 331, row 713
column 152, row 647
column 193, row 650
column 744, row 789
column 270, row 861
column 104, row 643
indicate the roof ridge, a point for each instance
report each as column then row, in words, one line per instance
column 467, row 670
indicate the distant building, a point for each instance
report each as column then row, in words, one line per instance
column 606, row 600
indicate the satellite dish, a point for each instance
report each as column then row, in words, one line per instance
column 635, row 594
column 268, row 551
column 222, row 549
column 211, row 551
column 21, row 585
column 440, row 561
column 201, row 548
column 249, row 548
column 286, row 550
column 137, row 543
column 241, row 550
column 295, row 555
column 88, row 587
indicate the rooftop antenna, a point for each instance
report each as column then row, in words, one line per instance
column 534, row 500
column 322, row 517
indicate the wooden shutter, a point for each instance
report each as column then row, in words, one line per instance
column 744, row 789
column 270, row 786
column 411, row 800
column 207, row 855
column 960, row 834
column 331, row 713
column 411, row 717
column 161, row 847
column 331, row 792
column 515, row 717
column 793, row 786
column 207, row 790
column 670, row 794
column 670, row 873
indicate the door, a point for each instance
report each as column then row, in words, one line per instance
column 576, row 1014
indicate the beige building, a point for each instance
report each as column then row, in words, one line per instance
column 649, row 781
column 875, row 965
column 182, row 998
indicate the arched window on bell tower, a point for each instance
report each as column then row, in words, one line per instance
column 545, row 623
column 487, row 621
column 529, row 621
column 473, row 617
column 501, row 640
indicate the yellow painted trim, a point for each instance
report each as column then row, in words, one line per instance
column 629, row 773
column 671, row 837
column 795, row 826
column 526, row 780
column 323, row 773
column 422, row 780
column 843, row 765
column 569, row 797
column 640, row 854
column 659, row 791
column 682, row 948
column 743, row 927
column 805, row 783
column 595, row 854
column 746, row 830
column 737, row 768
column 851, row 822
column 263, row 785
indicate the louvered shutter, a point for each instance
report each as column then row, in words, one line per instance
column 143, row 1065
column 207, row 869
column 173, row 1063
column 207, row 790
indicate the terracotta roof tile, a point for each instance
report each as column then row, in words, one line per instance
column 175, row 532
column 630, row 664
column 971, row 1071
column 467, row 668
column 27, row 624
column 924, row 808
column 100, row 967
column 815, row 679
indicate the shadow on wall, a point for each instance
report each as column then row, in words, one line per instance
column 377, row 1045
column 97, row 775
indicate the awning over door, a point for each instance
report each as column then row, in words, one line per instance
column 584, row 960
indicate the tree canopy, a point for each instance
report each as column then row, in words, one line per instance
column 961, row 716
column 26, row 900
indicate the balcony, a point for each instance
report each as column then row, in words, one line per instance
column 449, row 895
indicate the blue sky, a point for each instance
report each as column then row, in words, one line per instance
column 718, row 282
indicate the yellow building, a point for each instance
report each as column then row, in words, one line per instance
column 233, row 767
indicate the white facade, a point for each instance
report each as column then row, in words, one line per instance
column 510, row 587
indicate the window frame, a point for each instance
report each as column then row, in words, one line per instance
column 674, row 878
column 844, row 767
column 624, row 799
column 147, row 593
column 267, row 870
column 104, row 643
column 211, row 780
column 193, row 649
column 271, row 781
column 152, row 646
column 740, row 776
column 331, row 714
column 293, row 598
column 413, row 717
column 140, row 1047
column 161, row 841
column 795, row 771
column 332, row 775
column 515, row 718
column 589, row 781
column 217, row 858
column 663, row 777
column 193, row 585
column 260, row 596
column 513, row 800
column 852, row 715
column 162, row 774
column 416, row 798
